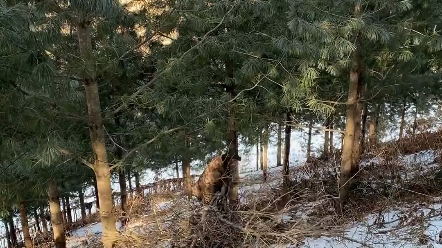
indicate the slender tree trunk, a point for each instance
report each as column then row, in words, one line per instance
column 261, row 150
column 279, row 145
column 257, row 155
column 265, row 152
column 101, row 167
column 403, row 123
column 309, row 140
column 186, row 160
column 356, row 156
column 123, row 190
column 415, row 122
column 7, row 234
column 350, row 126
column 25, row 226
column 56, row 215
column 364, row 128
column 63, row 202
column 68, row 211
column 332, row 146
column 286, row 162
column 137, row 184
column 177, row 169
column 37, row 220
column 232, row 141
column 326, row 147
column 44, row 223
column 82, row 206
column 97, row 199
column 372, row 130
column 129, row 180
column 12, row 231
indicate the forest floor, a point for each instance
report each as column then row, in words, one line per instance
column 396, row 203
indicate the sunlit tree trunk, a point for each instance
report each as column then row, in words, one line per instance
column 25, row 226
column 96, row 131
column 56, row 215
column 350, row 126
column 265, row 137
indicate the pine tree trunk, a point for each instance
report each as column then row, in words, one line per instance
column 7, row 234
column 68, row 211
column 25, row 226
column 37, row 220
column 265, row 153
column 82, row 206
column 56, row 215
column 44, row 223
column 97, row 199
column 350, row 125
column 415, row 122
column 63, row 202
column 364, row 128
column 13, row 233
column 186, row 160
column 326, row 147
column 356, row 156
column 309, row 140
column 123, row 190
column 232, row 140
column 403, row 123
column 129, row 180
column 332, row 146
column 137, row 184
column 177, row 169
column 286, row 162
column 257, row 155
column 279, row 145
column 101, row 167
column 261, row 150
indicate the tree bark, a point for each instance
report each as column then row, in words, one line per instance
column 309, row 140
column 186, row 175
column 177, row 169
column 356, row 156
column 56, row 215
column 25, row 226
column 364, row 127
column 82, row 206
column 415, row 121
column 68, row 211
column 63, row 202
column 37, row 220
column 279, row 145
column 332, row 146
column 257, row 155
column 403, row 123
column 265, row 152
column 44, row 223
column 97, row 199
column 13, row 233
column 232, row 141
column 129, row 180
column 137, row 184
column 261, row 150
column 350, row 125
column 325, row 150
column 123, row 190
column 286, row 162
column 372, row 129
column 96, row 131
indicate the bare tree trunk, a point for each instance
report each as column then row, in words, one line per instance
column 82, row 206
column 56, row 215
column 25, row 226
column 44, row 223
column 257, row 155
column 68, row 211
column 7, row 234
column 13, row 233
column 37, row 220
column 129, row 180
column 356, row 156
column 187, row 176
column 137, row 184
column 309, row 140
column 415, row 121
column 286, row 162
column 97, row 199
column 177, row 169
column 265, row 152
column 364, row 128
column 63, row 202
column 261, row 150
column 232, row 141
column 332, row 146
column 101, row 167
column 279, row 145
column 350, row 126
column 326, row 151
column 123, row 190
column 403, row 123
